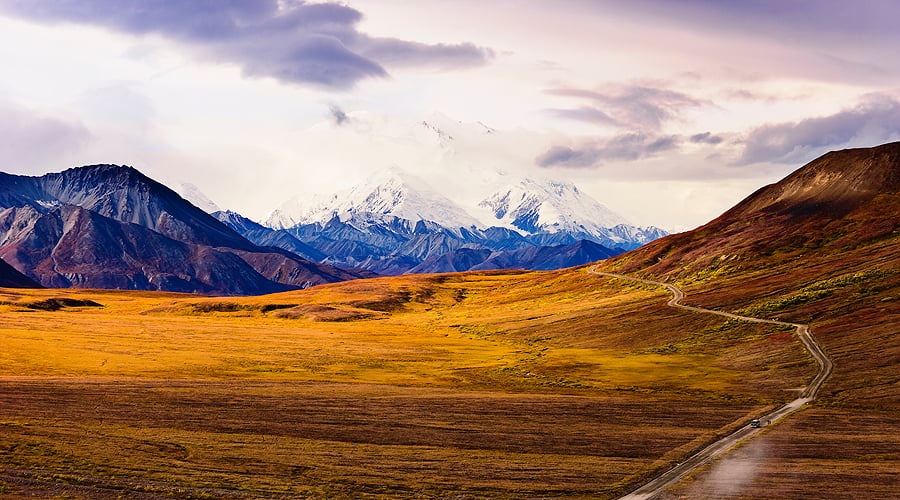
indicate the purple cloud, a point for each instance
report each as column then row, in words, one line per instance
column 31, row 141
column 627, row 147
column 292, row 41
column 585, row 114
column 635, row 107
column 706, row 138
column 800, row 21
column 395, row 53
column 875, row 120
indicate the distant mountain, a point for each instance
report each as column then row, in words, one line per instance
column 462, row 259
column 540, row 258
column 543, row 208
column 390, row 197
column 11, row 278
column 198, row 198
column 546, row 258
column 395, row 222
column 106, row 226
column 534, row 206
column 266, row 237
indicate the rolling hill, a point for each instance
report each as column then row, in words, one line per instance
column 821, row 247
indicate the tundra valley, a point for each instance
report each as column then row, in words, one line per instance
column 449, row 250
column 499, row 384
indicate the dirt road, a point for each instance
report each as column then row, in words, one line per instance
column 656, row 486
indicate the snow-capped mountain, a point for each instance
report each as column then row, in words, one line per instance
column 192, row 193
column 387, row 197
column 548, row 206
column 394, row 222
column 533, row 206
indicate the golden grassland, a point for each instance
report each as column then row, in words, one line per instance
column 494, row 331
column 498, row 384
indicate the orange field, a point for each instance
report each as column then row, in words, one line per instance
column 501, row 384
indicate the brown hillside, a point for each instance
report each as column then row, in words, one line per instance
column 821, row 246
column 840, row 201
column 834, row 183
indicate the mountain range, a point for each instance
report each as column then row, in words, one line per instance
column 107, row 226
column 395, row 223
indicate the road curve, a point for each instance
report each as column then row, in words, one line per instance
column 656, row 485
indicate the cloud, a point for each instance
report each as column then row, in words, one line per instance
column 396, row 53
column 338, row 114
column 585, row 114
column 875, row 120
column 32, row 141
column 800, row 22
column 706, row 138
column 635, row 107
column 822, row 40
column 292, row 41
column 627, row 147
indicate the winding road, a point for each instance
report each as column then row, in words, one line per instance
column 656, row 485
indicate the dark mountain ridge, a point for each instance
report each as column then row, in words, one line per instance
column 106, row 226
column 124, row 194
column 11, row 278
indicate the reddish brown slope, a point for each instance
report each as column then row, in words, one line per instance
column 840, row 201
column 821, row 246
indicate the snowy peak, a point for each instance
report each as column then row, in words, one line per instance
column 451, row 135
column 393, row 201
column 535, row 206
column 192, row 193
column 384, row 197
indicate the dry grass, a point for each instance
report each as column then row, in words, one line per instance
column 331, row 440
column 499, row 384
column 789, row 461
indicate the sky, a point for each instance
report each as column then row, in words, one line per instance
column 667, row 111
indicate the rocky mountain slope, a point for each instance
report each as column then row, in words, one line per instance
column 11, row 278
column 822, row 246
column 123, row 194
column 106, row 226
column 839, row 201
